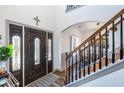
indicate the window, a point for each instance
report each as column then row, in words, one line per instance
column 49, row 49
column 16, row 41
column 71, row 7
column 74, row 42
column 37, row 51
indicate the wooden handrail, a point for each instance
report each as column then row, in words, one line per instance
column 99, row 30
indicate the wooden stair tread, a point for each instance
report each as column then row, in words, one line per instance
column 97, row 66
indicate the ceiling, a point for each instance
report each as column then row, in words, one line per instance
column 86, row 26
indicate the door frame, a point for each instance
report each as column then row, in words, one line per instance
column 7, row 22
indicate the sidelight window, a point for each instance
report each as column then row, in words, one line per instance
column 49, row 49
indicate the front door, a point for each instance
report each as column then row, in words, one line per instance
column 35, row 54
column 15, row 38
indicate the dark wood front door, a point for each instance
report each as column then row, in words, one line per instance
column 15, row 38
column 35, row 54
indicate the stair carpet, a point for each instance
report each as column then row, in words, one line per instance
column 53, row 79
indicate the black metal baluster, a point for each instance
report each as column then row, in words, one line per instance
column 94, row 55
column 79, row 63
column 100, row 64
column 91, row 51
column 84, row 62
column 66, row 67
column 72, row 78
column 101, row 46
column 121, row 38
column 113, row 43
column 92, row 59
column 89, row 59
column 69, row 71
column 82, row 59
column 106, row 50
column 76, row 67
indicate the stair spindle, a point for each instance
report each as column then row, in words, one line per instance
column 100, row 64
column 89, row 58
column 121, row 38
column 76, row 66
column 84, row 62
column 79, row 63
column 66, row 71
column 69, row 70
column 106, row 48
column 72, row 73
column 113, row 42
column 94, row 46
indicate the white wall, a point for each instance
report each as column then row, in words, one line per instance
column 115, row 79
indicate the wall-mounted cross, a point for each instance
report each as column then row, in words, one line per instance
column 37, row 20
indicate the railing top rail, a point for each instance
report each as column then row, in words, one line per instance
column 98, row 31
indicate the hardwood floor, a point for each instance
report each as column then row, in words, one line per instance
column 53, row 79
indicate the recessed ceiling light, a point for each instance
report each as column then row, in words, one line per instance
column 98, row 23
column 79, row 26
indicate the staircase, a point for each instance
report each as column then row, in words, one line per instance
column 96, row 55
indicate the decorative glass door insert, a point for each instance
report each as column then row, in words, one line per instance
column 16, row 41
column 37, row 51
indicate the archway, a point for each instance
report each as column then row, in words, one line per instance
column 81, row 30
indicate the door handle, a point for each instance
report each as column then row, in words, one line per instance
column 45, row 55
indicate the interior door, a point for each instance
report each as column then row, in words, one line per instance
column 15, row 38
column 35, row 54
